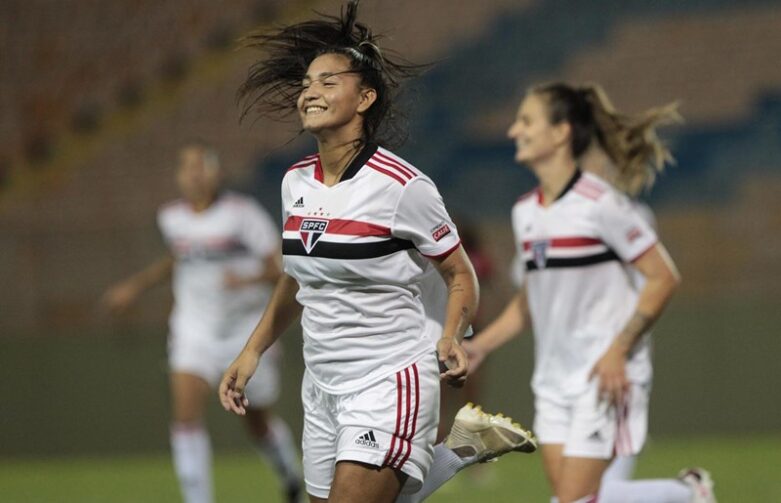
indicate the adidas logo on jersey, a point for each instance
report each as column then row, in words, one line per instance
column 368, row 440
column 299, row 203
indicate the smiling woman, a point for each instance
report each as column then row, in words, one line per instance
column 363, row 229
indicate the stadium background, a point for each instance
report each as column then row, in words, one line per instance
column 96, row 97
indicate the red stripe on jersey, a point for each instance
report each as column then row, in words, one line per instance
column 443, row 256
column 306, row 162
column 340, row 226
column 393, row 162
column 319, row 170
column 589, row 188
column 589, row 193
column 387, row 172
column 391, row 167
column 571, row 242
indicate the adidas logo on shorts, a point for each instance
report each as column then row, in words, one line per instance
column 368, row 440
column 299, row 203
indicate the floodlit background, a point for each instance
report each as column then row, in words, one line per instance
column 97, row 96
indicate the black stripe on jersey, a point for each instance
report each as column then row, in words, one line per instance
column 561, row 262
column 360, row 160
column 347, row 251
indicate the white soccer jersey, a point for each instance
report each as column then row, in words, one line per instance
column 358, row 251
column 234, row 234
column 574, row 258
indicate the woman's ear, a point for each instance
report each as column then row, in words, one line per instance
column 368, row 97
column 562, row 132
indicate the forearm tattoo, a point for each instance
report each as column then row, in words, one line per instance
column 634, row 329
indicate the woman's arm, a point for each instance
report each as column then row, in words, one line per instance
column 125, row 293
column 661, row 280
column 462, row 301
column 499, row 332
column 282, row 309
column 272, row 271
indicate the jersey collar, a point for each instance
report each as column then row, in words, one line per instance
column 571, row 183
column 356, row 164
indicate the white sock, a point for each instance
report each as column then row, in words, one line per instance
column 444, row 467
column 621, row 468
column 279, row 449
column 192, row 455
column 645, row 491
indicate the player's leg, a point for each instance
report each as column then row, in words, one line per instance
column 356, row 482
column 190, row 445
column 270, row 434
column 274, row 441
column 579, row 478
column 386, row 434
column 475, row 437
column 621, row 468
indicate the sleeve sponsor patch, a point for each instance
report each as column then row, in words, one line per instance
column 440, row 231
column 633, row 234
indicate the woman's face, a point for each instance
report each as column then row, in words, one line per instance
column 534, row 136
column 331, row 96
column 198, row 178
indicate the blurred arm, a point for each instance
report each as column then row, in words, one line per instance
column 125, row 293
column 503, row 329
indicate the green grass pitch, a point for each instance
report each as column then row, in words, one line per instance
column 745, row 470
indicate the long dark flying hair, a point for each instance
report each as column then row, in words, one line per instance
column 273, row 83
column 629, row 140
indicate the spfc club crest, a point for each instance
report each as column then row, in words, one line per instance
column 539, row 252
column 311, row 229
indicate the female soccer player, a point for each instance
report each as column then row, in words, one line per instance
column 361, row 228
column 223, row 258
column 577, row 237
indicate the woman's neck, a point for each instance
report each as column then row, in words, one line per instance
column 336, row 154
column 203, row 203
column 553, row 174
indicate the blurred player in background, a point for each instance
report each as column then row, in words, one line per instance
column 362, row 228
column 578, row 237
column 224, row 260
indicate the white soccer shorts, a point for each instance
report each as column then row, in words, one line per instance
column 392, row 422
column 590, row 428
column 206, row 350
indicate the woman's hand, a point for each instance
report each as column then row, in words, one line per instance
column 453, row 362
column 610, row 369
column 235, row 380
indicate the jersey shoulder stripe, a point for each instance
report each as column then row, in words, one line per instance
column 306, row 162
column 531, row 193
column 396, row 163
column 591, row 188
column 387, row 172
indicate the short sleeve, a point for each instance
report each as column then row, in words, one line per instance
column 623, row 228
column 258, row 231
column 421, row 217
column 518, row 271
column 518, row 265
